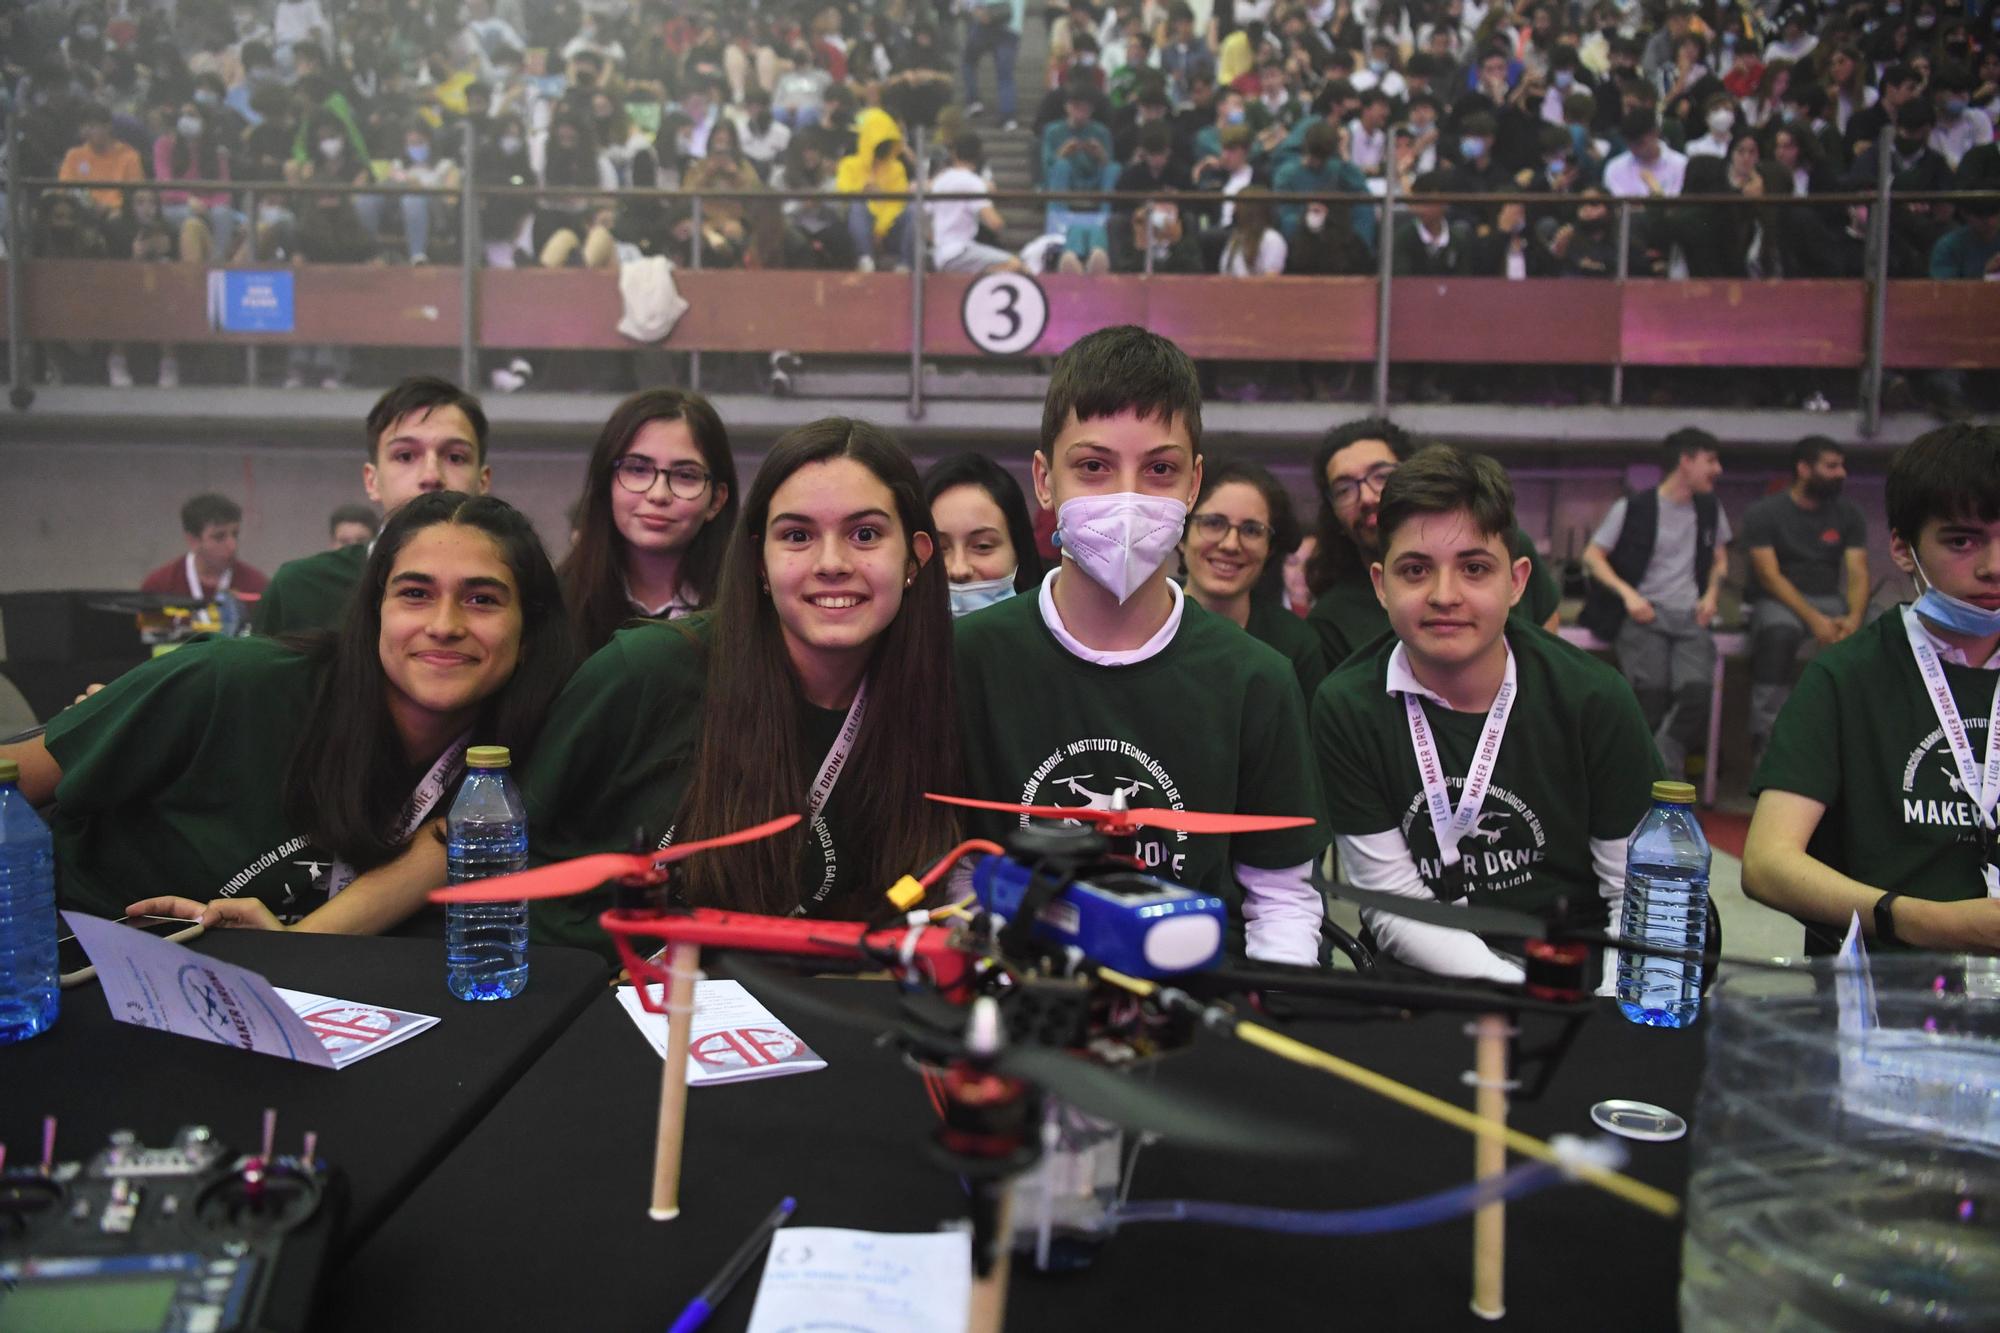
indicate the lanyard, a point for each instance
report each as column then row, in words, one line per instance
column 836, row 755
column 1451, row 825
column 429, row 791
column 194, row 580
column 1982, row 787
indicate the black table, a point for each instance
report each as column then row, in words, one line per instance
column 538, row 1219
column 385, row 1121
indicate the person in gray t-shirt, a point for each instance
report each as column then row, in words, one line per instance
column 1803, row 544
column 1665, row 646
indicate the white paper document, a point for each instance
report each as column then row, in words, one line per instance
column 734, row 1037
column 155, row 983
column 831, row 1279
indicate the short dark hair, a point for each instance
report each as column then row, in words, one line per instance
column 966, row 146
column 1431, row 182
column 972, row 468
column 1918, row 114
column 1321, row 140
column 1685, row 443
column 353, row 513
column 1952, row 472
column 201, row 511
column 1445, row 479
column 1637, row 123
column 1812, row 448
column 424, row 393
column 1901, row 73
column 1155, row 137
column 1122, row 369
column 94, row 114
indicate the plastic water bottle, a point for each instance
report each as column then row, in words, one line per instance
column 1666, row 904
column 486, row 944
column 28, row 988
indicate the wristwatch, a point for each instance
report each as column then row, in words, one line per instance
column 1885, row 919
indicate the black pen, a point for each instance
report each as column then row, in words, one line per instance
column 739, row 1263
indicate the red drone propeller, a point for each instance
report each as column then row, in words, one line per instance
column 1122, row 822
column 564, row 878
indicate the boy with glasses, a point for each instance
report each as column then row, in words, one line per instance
column 1470, row 756
column 1353, row 463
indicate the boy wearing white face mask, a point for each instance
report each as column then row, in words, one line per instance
column 1721, row 114
column 1110, row 682
column 1880, row 792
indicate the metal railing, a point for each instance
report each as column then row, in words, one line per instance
column 1385, row 205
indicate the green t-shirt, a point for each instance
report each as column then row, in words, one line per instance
column 310, row 592
column 1349, row 617
column 1213, row 721
column 617, row 755
column 1272, row 622
column 1577, row 762
column 1859, row 735
column 173, row 777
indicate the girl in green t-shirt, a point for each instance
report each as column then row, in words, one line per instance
column 270, row 771
column 821, row 684
column 659, row 501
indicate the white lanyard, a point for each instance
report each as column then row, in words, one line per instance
column 429, row 791
column 1982, row 787
column 836, row 755
column 1451, row 825
column 194, row 580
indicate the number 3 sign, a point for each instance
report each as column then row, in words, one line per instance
column 1004, row 313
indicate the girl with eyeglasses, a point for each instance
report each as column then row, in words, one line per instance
column 1238, row 536
column 659, row 499
column 304, row 779
column 820, row 684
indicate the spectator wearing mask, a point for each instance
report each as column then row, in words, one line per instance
column 1152, row 168
column 1319, row 170
column 1477, row 170
column 208, row 224
column 1804, row 544
column 955, row 223
column 1719, row 115
column 102, row 157
column 421, row 164
column 1913, row 165
column 1901, row 85
column 1804, row 108
column 1227, row 174
column 1961, row 127
column 1647, row 168
column 1076, row 155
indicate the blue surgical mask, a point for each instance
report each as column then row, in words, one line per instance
column 979, row 594
column 1953, row 613
column 1233, row 116
column 1564, row 79
column 1378, row 67
column 206, row 96
column 419, row 153
column 1472, row 147
column 1557, row 168
column 1954, row 106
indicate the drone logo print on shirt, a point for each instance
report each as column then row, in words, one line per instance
column 1933, row 795
column 1500, row 850
column 1091, row 774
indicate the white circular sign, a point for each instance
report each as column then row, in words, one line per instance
column 1004, row 313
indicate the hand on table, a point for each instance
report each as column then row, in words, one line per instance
column 220, row 914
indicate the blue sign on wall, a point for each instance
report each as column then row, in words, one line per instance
column 242, row 301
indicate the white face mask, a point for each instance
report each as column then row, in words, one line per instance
column 1120, row 540
column 1721, row 123
column 978, row 594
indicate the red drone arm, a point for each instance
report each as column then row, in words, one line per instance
column 947, row 966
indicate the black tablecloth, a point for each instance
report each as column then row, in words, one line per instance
column 385, row 1121
column 538, row 1219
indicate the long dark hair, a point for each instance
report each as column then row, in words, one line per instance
column 973, row 468
column 593, row 576
column 752, row 762
column 1334, row 556
column 348, row 776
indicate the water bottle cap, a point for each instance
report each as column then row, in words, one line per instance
column 496, row 756
column 9, row 771
column 1674, row 793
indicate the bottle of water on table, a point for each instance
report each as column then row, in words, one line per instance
column 486, row 944
column 1666, row 904
column 27, row 914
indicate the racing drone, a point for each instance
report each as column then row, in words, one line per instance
column 1029, row 998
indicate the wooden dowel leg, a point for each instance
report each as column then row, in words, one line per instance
column 684, row 962
column 1489, row 1224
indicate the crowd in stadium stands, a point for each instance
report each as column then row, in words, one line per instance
column 1253, row 102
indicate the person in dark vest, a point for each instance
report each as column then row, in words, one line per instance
column 1657, row 563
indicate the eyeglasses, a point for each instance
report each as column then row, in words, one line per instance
column 1347, row 490
column 686, row 480
column 1215, row 527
